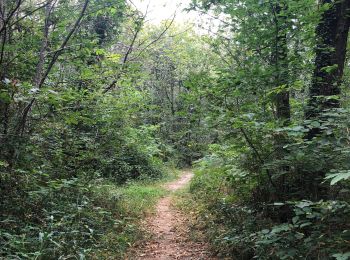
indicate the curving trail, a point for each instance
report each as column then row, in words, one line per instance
column 170, row 235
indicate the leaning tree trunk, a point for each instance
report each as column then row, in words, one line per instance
column 332, row 34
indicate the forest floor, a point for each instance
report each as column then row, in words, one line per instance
column 169, row 231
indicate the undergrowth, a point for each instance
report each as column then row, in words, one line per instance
column 238, row 230
column 77, row 218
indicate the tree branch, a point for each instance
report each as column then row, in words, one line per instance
column 64, row 43
column 51, row 64
column 251, row 145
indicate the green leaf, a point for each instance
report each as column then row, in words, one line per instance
column 337, row 177
column 6, row 81
column 4, row 163
column 342, row 256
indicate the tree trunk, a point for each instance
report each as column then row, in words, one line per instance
column 42, row 54
column 281, row 63
column 332, row 34
column 280, row 55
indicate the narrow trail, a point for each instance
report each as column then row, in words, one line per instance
column 170, row 234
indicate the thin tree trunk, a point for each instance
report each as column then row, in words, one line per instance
column 51, row 64
column 42, row 54
column 281, row 63
column 64, row 43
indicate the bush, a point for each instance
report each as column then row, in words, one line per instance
column 317, row 229
column 239, row 230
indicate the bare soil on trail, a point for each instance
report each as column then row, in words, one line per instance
column 170, row 235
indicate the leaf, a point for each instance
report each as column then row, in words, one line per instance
column 303, row 204
column 342, row 256
column 4, row 163
column 299, row 235
column 305, row 224
column 297, row 128
column 265, row 231
column 6, row 81
column 5, row 97
column 280, row 228
column 295, row 219
column 41, row 237
column 337, row 177
column 329, row 69
column 315, row 124
column 52, row 92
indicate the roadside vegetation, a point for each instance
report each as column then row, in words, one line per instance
column 97, row 106
column 275, row 184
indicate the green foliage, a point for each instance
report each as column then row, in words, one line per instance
column 67, row 145
column 309, row 232
column 222, row 165
column 337, row 177
column 92, row 100
column 173, row 66
column 243, row 232
column 75, row 218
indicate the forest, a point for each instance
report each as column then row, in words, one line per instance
column 234, row 127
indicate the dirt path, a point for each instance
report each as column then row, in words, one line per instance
column 170, row 234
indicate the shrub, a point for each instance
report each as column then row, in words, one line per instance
column 238, row 229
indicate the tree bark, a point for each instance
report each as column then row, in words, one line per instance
column 42, row 54
column 332, row 34
column 281, row 63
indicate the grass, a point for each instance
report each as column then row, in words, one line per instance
column 78, row 218
column 139, row 198
column 131, row 203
